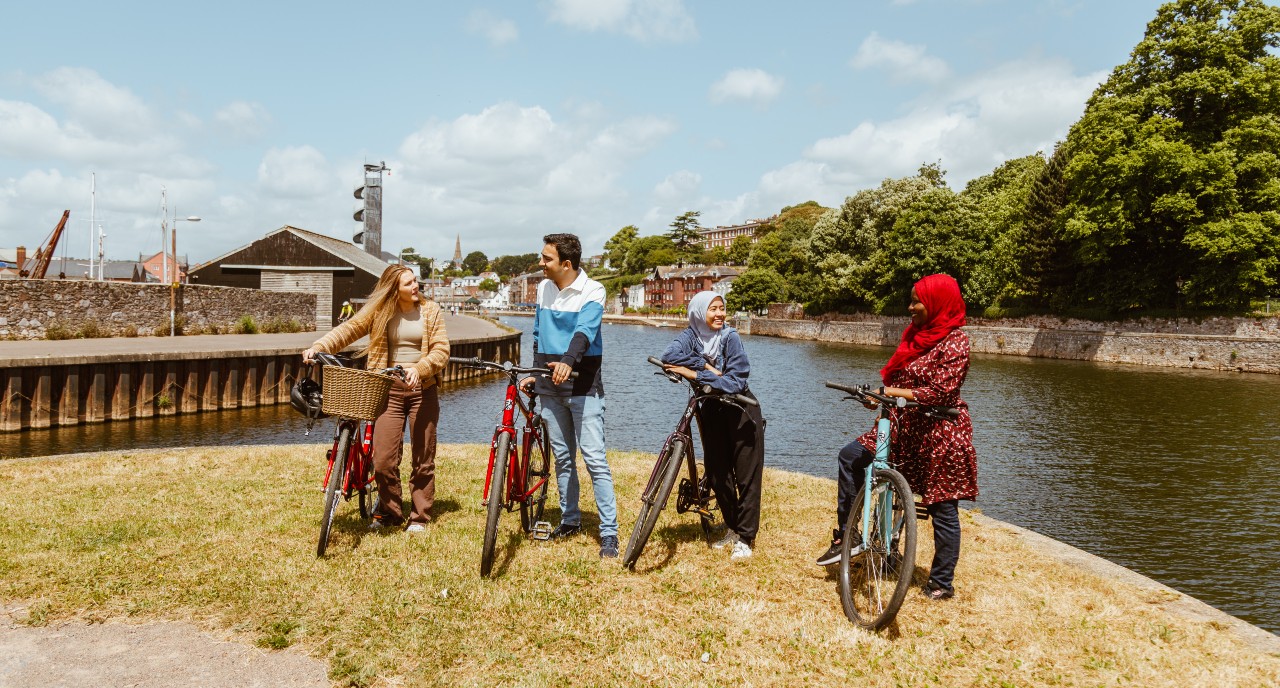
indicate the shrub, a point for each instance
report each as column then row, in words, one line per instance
column 91, row 330
column 57, row 331
column 245, row 325
column 130, row 331
column 277, row 324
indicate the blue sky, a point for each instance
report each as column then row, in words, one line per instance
column 503, row 121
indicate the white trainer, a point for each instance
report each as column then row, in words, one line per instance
column 741, row 550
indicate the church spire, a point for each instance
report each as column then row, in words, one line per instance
column 457, row 251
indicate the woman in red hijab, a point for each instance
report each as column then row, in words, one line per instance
column 935, row 456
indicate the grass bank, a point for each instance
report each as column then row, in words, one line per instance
column 225, row 538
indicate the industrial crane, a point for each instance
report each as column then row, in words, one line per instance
column 44, row 254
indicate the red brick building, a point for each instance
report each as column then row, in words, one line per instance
column 670, row 287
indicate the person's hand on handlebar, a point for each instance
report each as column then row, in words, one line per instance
column 526, row 384
column 680, row 370
column 559, row 372
column 309, row 355
column 411, row 377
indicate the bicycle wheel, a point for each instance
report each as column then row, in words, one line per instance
column 537, row 468
column 651, row 505
column 497, row 482
column 874, row 582
column 333, row 491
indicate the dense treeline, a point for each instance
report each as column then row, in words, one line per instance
column 1165, row 193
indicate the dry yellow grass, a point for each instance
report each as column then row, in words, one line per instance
column 225, row 537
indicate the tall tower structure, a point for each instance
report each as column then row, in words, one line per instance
column 370, row 214
column 457, row 252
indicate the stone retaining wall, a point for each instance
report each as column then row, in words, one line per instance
column 1256, row 354
column 28, row 308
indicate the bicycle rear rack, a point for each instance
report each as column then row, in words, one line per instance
column 540, row 531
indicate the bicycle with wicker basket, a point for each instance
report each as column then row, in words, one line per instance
column 355, row 397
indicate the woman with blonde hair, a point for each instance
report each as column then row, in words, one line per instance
column 407, row 330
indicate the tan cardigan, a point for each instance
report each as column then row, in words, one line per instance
column 435, row 342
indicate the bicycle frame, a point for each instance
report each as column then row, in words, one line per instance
column 518, row 459
column 682, row 432
column 880, row 462
column 359, row 457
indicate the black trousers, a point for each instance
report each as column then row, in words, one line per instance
column 853, row 461
column 733, row 454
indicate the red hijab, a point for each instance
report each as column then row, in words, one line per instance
column 944, row 308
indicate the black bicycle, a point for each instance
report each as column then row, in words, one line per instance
column 677, row 451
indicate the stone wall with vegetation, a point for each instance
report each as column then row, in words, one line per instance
column 57, row 309
column 1242, row 344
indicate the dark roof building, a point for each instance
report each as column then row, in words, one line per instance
column 293, row 259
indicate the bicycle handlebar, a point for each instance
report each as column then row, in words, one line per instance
column 505, row 366
column 332, row 360
column 705, row 390
column 864, row 392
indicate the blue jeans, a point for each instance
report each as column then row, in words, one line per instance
column 577, row 423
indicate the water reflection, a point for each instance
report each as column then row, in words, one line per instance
column 1169, row 472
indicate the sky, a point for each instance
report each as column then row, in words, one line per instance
column 504, row 121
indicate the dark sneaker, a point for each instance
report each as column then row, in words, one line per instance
column 565, row 530
column 609, row 547
column 832, row 555
column 936, row 592
column 379, row 524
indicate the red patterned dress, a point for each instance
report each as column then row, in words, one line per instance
column 935, row 456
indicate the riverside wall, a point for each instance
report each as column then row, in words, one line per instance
column 1255, row 352
column 29, row 308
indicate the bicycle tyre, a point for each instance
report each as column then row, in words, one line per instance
column 369, row 500
column 537, row 468
column 497, row 482
column 874, row 583
column 669, row 468
column 333, row 491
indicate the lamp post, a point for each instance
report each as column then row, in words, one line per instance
column 173, row 286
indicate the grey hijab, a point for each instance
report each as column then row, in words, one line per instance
column 709, row 338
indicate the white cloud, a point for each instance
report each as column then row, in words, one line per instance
column 495, row 29
column 678, row 188
column 95, row 105
column 643, row 20
column 242, row 121
column 904, row 61
column 299, row 172
column 746, row 85
column 971, row 126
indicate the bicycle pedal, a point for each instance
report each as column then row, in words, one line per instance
column 540, row 531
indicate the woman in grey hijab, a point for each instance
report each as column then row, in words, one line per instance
column 711, row 352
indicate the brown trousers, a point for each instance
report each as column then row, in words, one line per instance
column 421, row 410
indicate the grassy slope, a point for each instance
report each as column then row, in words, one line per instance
column 226, row 537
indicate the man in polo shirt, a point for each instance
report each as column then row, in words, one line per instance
column 566, row 339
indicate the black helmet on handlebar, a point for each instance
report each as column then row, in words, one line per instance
column 306, row 397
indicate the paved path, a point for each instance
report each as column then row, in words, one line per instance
column 15, row 353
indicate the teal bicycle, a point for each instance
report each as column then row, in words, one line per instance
column 878, row 551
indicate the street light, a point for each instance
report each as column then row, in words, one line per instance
column 1177, row 306
column 173, row 286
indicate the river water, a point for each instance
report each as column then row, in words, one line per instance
column 1172, row 473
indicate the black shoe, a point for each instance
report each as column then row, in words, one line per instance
column 832, row 555
column 609, row 547
column 565, row 530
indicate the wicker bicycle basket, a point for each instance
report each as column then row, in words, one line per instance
column 355, row 393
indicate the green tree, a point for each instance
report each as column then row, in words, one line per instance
column 684, row 234
column 845, row 246
column 475, row 263
column 510, row 266
column 997, row 231
column 740, row 250
column 615, row 249
column 1173, row 170
column 410, row 256
column 640, row 254
column 755, row 289
column 489, row 284
column 716, row 255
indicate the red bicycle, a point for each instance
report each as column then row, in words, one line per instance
column 525, row 461
column 350, row 464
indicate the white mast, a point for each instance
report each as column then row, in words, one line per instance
column 93, row 199
column 164, row 215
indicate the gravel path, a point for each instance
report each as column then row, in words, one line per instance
column 147, row 655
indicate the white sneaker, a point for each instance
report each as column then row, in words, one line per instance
column 729, row 538
column 416, row 528
column 741, row 550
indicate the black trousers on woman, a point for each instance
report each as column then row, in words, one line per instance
column 733, row 454
column 853, row 461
